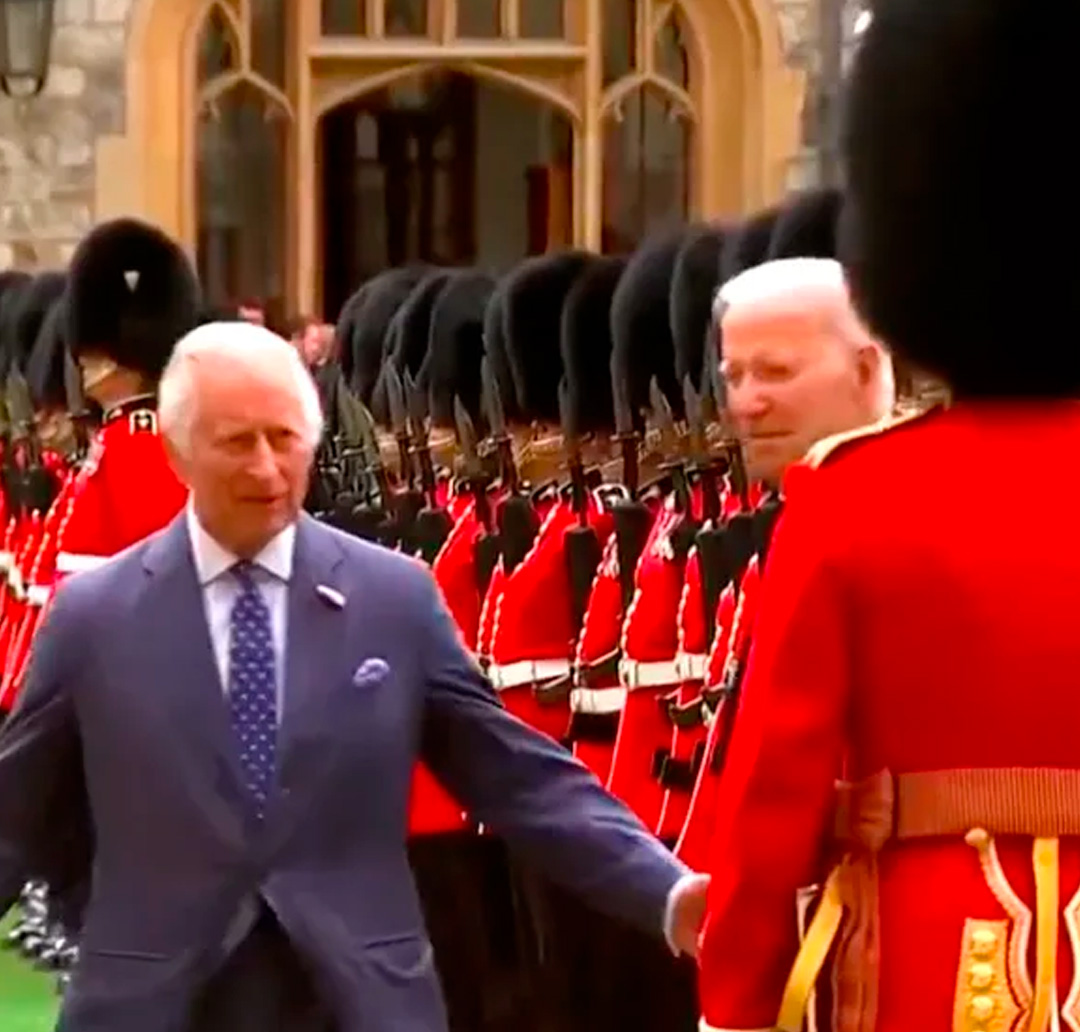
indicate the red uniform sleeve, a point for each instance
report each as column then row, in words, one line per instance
column 776, row 793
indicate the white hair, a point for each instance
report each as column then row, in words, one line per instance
column 245, row 343
column 787, row 285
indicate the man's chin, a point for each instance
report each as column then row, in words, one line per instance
column 767, row 458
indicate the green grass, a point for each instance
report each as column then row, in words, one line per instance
column 28, row 1001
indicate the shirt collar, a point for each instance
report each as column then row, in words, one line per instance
column 212, row 559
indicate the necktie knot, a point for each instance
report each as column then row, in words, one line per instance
column 244, row 572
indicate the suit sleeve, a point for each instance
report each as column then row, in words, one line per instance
column 533, row 793
column 776, row 793
column 40, row 763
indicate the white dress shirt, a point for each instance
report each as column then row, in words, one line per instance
column 220, row 589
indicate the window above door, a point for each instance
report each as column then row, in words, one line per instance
column 424, row 19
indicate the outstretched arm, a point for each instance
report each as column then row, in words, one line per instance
column 534, row 793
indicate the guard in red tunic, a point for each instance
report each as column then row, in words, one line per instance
column 887, row 653
column 132, row 294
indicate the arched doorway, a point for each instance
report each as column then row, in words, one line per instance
column 442, row 167
column 700, row 116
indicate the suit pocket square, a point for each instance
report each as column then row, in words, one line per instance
column 370, row 673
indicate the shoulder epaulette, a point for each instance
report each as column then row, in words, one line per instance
column 143, row 421
column 829, row 447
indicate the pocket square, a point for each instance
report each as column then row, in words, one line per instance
column 370, row 672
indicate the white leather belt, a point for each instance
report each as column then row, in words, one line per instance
column 633, row 675
column 526, row 671
column 5, row 561
column 38, row 594
column 597, row 700
column 71, row 562
column 706, row 1027
column 691, row 665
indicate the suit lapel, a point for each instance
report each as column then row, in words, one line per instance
column 182, row 658
column 314, row 653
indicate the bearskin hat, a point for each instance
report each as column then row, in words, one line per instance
column 28, row 311
column 586, row 345
column 748, row 244
column 452, row 366
column 641, row 324
column 45, row 366
column 945, row 279
column 132, row 295
column 407, row 336
column 532, row 317
column 693, row 286
column 807, row 225
column 383, row 296
column 346, row 326
column 495, row 351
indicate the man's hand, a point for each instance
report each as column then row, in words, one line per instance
column 687, row 913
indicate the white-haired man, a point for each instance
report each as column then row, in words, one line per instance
column 241, row 700
column 798, row 364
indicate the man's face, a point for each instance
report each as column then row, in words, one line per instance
column 248, row 455
column 313, row 345
column 790, row 383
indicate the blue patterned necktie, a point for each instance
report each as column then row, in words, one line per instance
column 253, row 687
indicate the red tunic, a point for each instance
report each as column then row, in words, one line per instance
column 900, row 636
column 126, row 491
column 647, row 669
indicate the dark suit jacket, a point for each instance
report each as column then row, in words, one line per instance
column 123, row 708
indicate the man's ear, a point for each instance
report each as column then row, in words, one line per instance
column 176, row 459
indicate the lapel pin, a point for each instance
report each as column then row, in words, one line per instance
column 331, row 596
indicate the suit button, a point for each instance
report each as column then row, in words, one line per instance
column 981, row 1009
column 981, row 976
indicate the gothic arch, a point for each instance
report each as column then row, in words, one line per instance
column 532, row 88
column 746, row 99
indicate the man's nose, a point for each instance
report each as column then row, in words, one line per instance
column 748, row 402
column 263, row 460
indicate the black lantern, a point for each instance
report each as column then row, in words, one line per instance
column 26, row 29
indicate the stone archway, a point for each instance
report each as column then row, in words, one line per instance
column 746, row 98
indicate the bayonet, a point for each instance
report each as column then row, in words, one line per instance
column 626, row 436
column 76, row 402
column 21, row 413
column 704, row 465
column 496, row 417
column 665, row 422
column 579, row 495
column 374, row 456
column 417, row 403
column 395, row 398
column 467, row 441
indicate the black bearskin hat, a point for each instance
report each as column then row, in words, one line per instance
column 345, row 327
column 132, row 295
column 946, row 280
column 45, row 366
column 748, row 244
column 693, row 289
column 495, row 349
column 452, row 366
column 641, row 324
column 532, row 318
column 29, row 310
column 587, row 345
column 384, row 295
column 807, row 225
column 407, row 337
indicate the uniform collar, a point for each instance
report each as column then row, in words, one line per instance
column 128, row 405
column 212, row 559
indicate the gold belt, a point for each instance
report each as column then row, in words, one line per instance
column 1042, row 803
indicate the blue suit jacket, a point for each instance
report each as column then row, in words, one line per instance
column 123, row 714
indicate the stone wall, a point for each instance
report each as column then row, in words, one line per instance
column 47, row 143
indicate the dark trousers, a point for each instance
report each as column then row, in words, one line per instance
column 262, row 987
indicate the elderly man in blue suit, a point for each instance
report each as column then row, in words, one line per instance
column 236, row 705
